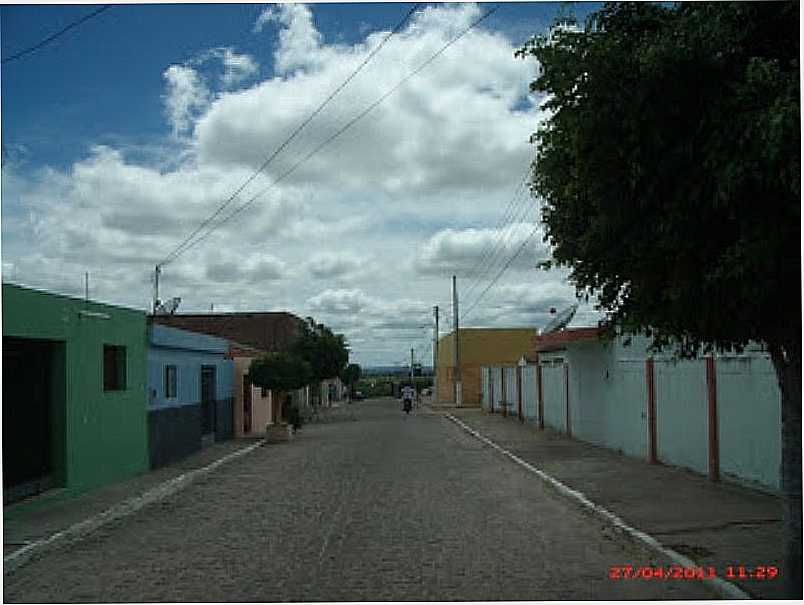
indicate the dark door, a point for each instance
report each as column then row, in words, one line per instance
column 207, row 399
column 27, row 416
column 246, row 405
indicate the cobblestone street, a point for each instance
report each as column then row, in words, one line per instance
column 371, row 506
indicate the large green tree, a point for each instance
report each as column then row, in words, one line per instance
column 351, row 375
column 280, row 372
column 326, row 352
column 669, row 168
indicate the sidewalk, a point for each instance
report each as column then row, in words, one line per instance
column 714, row 524
column 56, row 510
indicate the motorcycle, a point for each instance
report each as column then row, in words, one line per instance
column 407, row 405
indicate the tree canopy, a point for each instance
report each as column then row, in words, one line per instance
column 351, row 374
column 669, row 167
column 326, row 352
column 280, row 372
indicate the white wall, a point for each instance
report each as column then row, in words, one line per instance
column 749, row 418
column 510, row 389
column 530, row 394
column 554, row 393
column 682, row 414
column 608, row 405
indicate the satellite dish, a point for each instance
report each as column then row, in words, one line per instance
column 169, row 307
column 560, row 321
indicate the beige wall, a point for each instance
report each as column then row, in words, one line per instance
column 260, row 406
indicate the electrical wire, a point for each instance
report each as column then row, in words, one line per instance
column 52, row 37
column 522, row 215
column 491, row 245
column 334, row 136
column 178, row 250
column 499, row 246
column 500, row 273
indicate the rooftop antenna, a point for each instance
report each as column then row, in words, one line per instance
column 560, row 321
column 169, row 307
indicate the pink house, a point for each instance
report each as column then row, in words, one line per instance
column 254, row 407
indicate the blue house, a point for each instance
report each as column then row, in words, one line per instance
column 190, row 396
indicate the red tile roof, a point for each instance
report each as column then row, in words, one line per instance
column 268, row 331
column 237, row 349
column 558, row 340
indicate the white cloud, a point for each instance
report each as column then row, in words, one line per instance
column 363, row 236
column 185, row 97
column 237, row 67
column 433, row 134
column 257, row 269
column 471, row 252
column 340, row 302
column 333, row 264
column 299, row 40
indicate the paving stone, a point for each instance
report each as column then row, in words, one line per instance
column 378, row 507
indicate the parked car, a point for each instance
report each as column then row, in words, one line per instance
column 426, row 392
column 358, row 395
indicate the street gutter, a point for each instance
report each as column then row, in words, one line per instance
column 82, row 529
column 720, row 586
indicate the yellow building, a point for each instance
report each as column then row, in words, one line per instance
column 478, row 347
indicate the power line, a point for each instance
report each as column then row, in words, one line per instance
column 494, row 264
column 500, row 239
column 499, row 274
column 489, row 246
column 178, row 250
column 334, row 136
column 503, row 231
column 516, row 219
column 52, row 37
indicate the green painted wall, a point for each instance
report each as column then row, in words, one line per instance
column 100, row 436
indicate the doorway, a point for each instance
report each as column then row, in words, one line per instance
column 246, row 405
column 33, row 416
column 208, row 417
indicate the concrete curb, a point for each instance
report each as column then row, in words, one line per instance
column 720, row 586
column 80, row 530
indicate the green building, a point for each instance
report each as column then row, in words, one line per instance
column 74, row 394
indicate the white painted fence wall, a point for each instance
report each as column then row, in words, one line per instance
column 511, row 393
column 749, row 425
column 608, row 396
column 485, row 393
column 555, row 396
column 496, row 391
column 530, row 393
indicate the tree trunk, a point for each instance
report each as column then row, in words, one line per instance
column 787, row 362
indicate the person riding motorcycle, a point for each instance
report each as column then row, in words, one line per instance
column 407, row 398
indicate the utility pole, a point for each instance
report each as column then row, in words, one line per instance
column 86, row 286
column 157, row 271
column 435, row 357
column 456, row 358
column 411, row 367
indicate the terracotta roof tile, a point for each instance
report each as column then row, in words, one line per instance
column 557, row 340
column 267, row 331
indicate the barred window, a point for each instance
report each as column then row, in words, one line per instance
column 114, row 368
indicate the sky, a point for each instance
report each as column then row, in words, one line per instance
column 122, row 138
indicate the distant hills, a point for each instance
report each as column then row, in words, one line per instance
column 392, row 370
